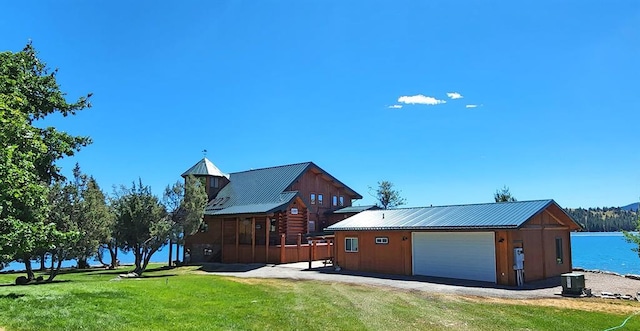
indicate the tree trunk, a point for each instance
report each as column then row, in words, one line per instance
column 42, row 257
column 113, row 251
column 29, row 270
column 100, row 256
column 55, row 270
column 147, row 258
column 170, row 251
column 82, row 263
column 138, row 263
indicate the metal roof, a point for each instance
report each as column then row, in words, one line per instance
column 204, row 167
column 256, row 191
column 502, row 215
column 355, row 209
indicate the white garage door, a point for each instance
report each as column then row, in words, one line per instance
column 463, row 255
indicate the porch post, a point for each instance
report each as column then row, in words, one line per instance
column 253, row 239
column 282, row 248
column 267, row 226
column 237, row 239
column 222, row 240
column 298, row 244
column 315, row 243
column 310, row 244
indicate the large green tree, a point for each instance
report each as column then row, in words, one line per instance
column 28, row 153
column 185, row 204
column 387, row 196
column 141, row 223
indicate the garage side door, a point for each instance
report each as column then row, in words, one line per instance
column 463, row 255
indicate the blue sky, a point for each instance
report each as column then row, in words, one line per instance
column 265, row 83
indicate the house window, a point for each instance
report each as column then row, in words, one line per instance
column 559, row 253
column 351, row 244
column 319, row 199
column 334, row 200
column 382, row 240
column 213, row 182
column 313, row 198
column 341, row 201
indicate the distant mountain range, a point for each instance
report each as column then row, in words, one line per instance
column 631, row 207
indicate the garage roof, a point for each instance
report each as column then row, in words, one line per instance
column 502, row 215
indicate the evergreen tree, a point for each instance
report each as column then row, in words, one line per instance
column 141, row 223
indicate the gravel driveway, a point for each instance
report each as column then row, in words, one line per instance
column 549, row 288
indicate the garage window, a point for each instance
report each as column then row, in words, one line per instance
column 350, row 244
column 559, row 254
column 382, row 240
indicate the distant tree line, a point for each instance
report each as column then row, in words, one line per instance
column 605, row 219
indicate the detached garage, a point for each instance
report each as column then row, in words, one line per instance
column 475, row 242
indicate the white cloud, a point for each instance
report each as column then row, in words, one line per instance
column 471, row 106
column 454, row 95
column 419, row 99
column 395, row 106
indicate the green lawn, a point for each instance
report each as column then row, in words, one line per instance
column 180, row 299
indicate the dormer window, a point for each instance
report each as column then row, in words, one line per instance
column 213, row 182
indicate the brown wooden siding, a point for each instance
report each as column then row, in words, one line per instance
column 319, row 183
column 391, row 258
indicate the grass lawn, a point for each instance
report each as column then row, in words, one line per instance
column 183, row 299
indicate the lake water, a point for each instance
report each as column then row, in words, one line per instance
column 591, row 250
column 161, row 256
column 604, row 251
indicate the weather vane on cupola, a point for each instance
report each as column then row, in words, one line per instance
column 204, row 152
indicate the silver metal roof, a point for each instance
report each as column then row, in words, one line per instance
column 502, row 215
column 204, row 168
column 355, row 209
column 256, row 191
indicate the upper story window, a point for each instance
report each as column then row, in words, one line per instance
column 341, row 201
column 319, row 199
column 313, row 198
column 213, row 182
column 334, row 200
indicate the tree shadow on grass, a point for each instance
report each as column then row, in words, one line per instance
column 131, row 268
column 38, row 283
column 230, row 267
column 12, row 296
column 144, row 275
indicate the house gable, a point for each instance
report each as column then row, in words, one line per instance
column 551, row 217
